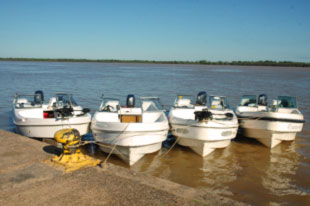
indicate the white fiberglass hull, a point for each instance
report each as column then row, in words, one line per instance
column 131, row 155
column 270, row 132
column 203, row 138
column 46, row 128
column 131, row 141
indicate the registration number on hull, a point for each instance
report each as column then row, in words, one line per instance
column 294, row 127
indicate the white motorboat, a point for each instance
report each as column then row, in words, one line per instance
column 130, row 131
column 272, row 124
column 33, row 118
column 200, row 127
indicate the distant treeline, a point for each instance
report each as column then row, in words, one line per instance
column 203, row 62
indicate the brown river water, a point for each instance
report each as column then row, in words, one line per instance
column 245, row 171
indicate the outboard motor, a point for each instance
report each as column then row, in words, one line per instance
column 131, row 100
column 38, row 97
column 201, row 98
column 262, row 100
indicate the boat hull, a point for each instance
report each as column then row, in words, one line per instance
column 131, row 141
column 203, row 139
column 270, row 133
column 46, row 128
column 48, row 131
column 131, row 155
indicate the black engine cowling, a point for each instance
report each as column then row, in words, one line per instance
column 201, row 98
column 262, row 100
column 38, row 97
column 131, row 100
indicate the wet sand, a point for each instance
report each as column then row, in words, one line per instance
column 26, row 179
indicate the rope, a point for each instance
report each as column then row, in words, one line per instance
column 106, row 159
column 175, row 142
column 113, row 148
column 82, row 143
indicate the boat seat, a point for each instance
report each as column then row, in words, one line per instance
column 217, row 104
column 184, row 102
column 112, row 104
column 284, row 103
column 250, row 103
column 21, row 102
column 52, row 103
column 244, row 102
column 60, row 104
column 262, row 108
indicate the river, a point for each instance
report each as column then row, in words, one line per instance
column 245, row 171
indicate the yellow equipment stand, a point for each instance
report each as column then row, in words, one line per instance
column 72, row 158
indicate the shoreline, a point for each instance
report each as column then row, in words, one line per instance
column 26, row 171
column 201, row 62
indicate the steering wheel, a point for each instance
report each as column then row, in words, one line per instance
column 108, row 108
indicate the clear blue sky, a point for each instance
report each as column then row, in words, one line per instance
column 156, row 30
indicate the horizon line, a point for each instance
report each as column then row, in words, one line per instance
column 199, row 62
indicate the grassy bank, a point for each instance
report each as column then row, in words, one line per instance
column 201, row 62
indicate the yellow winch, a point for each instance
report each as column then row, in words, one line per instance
column 72, row 158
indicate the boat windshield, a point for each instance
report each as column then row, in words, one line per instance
column 110, row 105
column 26, row 101
column 184, row 101
column 151, row 104
column 248, row 100
column 287, row 102
column 218, row 102
column 65, row 100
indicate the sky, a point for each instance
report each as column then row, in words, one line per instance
column 192, row 30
